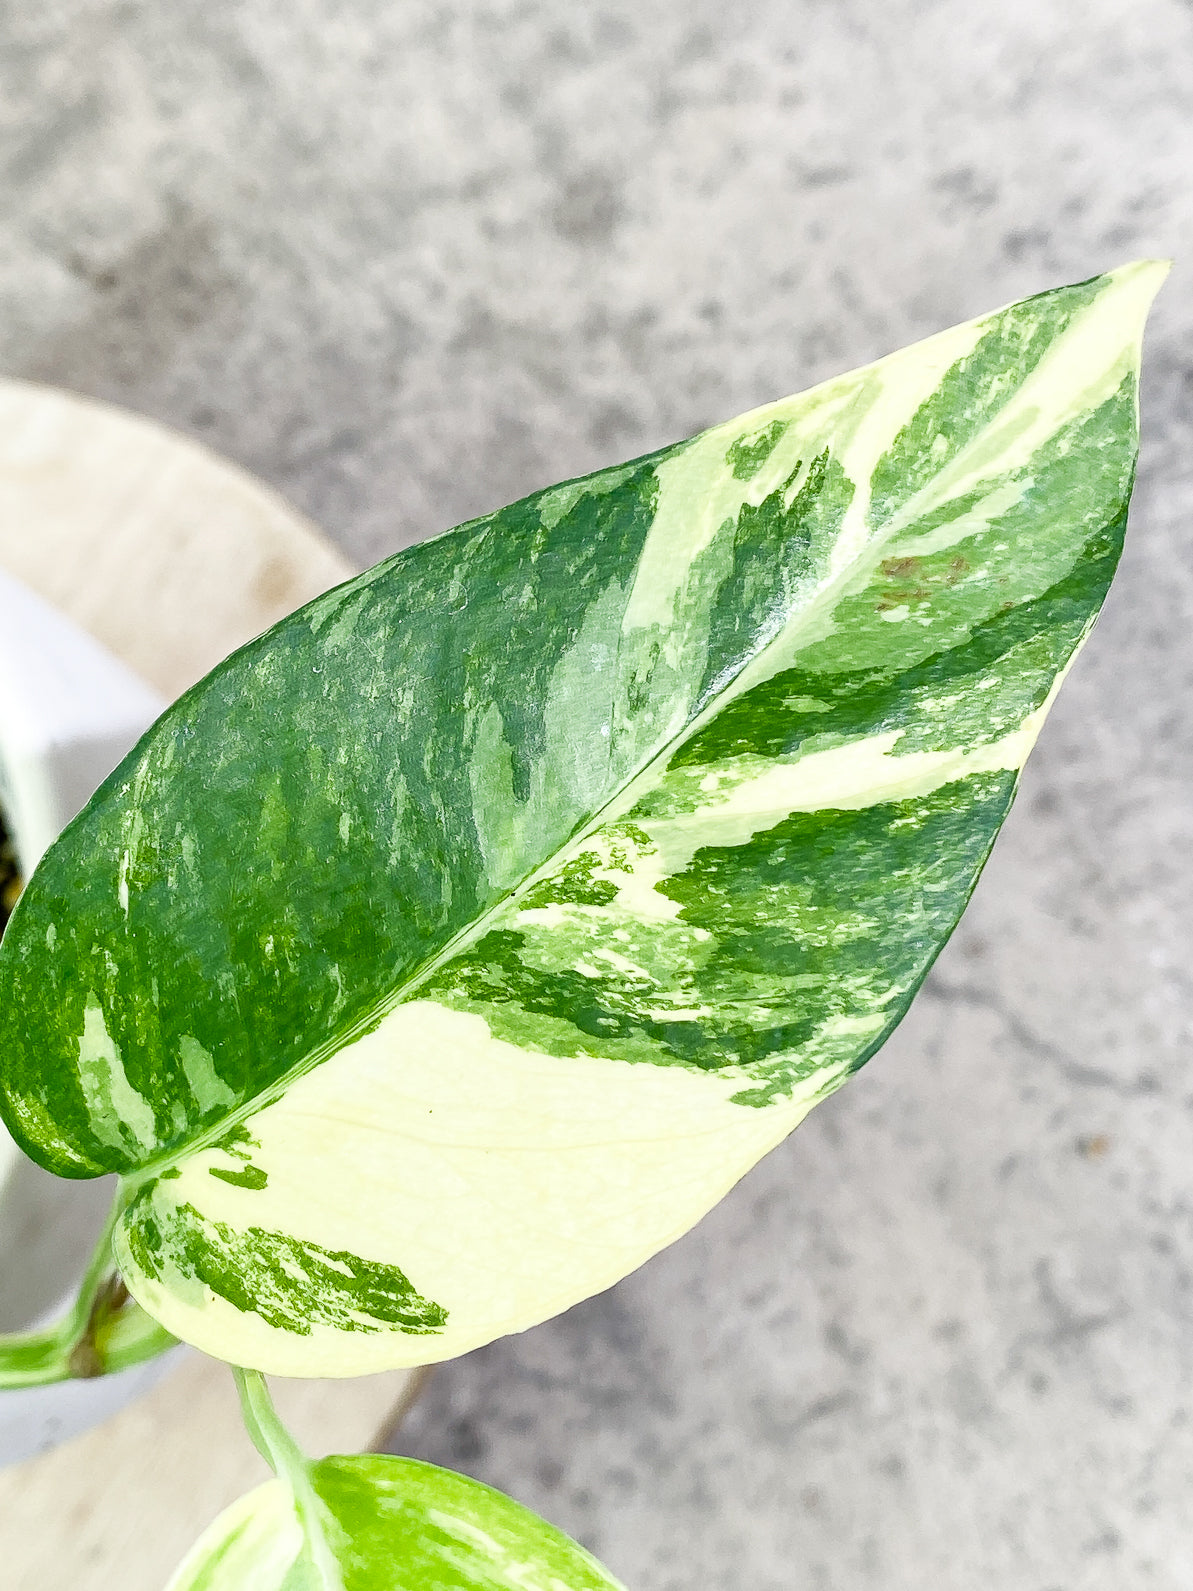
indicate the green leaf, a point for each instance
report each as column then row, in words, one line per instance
column 457, row 944
column 388, row 1522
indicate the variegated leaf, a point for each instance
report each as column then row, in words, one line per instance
column 387, row 1523
column 456, row 945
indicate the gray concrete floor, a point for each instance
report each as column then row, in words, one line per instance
column 410, row 261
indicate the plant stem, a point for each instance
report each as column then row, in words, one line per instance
column 102, row 1332
column 283, row 1455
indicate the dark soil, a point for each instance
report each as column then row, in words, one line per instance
column 10, row 879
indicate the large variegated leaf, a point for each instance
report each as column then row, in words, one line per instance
column 388, row 1523
column 457, row 944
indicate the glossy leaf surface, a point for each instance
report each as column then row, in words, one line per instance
column 456, row 945
column 389, row 1523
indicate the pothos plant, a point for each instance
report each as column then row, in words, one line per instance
column 456, row 945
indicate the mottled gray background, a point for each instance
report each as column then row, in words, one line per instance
column 410, row 260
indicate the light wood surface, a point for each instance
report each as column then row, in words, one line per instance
column 117, row 1508
column 172, row 558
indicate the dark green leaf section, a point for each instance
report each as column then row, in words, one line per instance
column 973, row 392
column 1007, row 658
column 301, row 828
column 292, row 1285
column 248, row 1177
column 239, row 1146
column 748, row 454
column 1069, row 509
column 308, row 826
column 800, row 519
column 829, row 915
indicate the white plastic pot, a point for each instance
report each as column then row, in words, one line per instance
column 69, row 711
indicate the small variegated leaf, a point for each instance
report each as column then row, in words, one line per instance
column 456, row 945
column 388, row 1523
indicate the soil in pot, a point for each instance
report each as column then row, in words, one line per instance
column 10, row 877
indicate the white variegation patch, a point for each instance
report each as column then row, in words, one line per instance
column 505, row 1183
column 858, row 413
column 752, row 794
column 255, row 1543
column 1083, row 368
column 110, row 1096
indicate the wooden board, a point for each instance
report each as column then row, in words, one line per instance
column 121, row 1505
column 168, row 554
column 171, row 557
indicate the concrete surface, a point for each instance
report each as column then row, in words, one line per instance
column 409, row 261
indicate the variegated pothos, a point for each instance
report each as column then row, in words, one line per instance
column 458, row 943
column 387, row 1523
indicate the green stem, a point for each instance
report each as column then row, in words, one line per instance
column 103, row 1331
column 283, row 1455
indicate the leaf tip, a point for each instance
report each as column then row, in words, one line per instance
column 1142, row 280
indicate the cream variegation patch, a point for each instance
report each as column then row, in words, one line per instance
column 254, row 1544
column 121, row 1114
column 752, row 794
column 507, row 1184
column 1086, row 365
